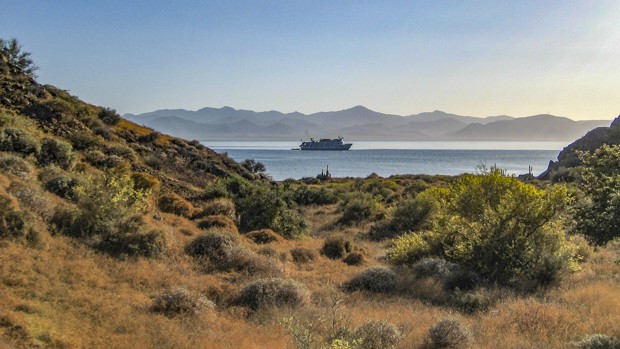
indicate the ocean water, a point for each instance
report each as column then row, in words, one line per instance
column 391, row 158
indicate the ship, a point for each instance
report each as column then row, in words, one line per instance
column 325, row 144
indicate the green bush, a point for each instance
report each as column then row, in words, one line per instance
column 260, row 207
column 305, row 195
column 173, row 203
column 448, row 333
column 15, row 165
column 410, row 215
column 263, row 236
column 598, row 217
column 123, row 152
column 335, row 247
column 19, row 141
column 63, row 186
column 360, row 207
column 105, row 162
column 374, row 279
column 56, row 152
column 83, row 140
column 109, row 116
column 378, row 335
column 180, row 301
column 509, row 231
column 274, row 292
column 303, row 255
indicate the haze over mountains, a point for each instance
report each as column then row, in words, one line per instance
column 360, row 123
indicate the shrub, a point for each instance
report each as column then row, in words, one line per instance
column 14, row 223
column 180, row 301
column 242, row 259
column 469, row 302
column 260, row 207
column 274, row 292
column 355, row 258
column 507, row 230
column 109, row 116
column 84, row 140
column 303, row 255
column 19, row 141
column 173, row 203
column 378, row 335
column 144, row 181
column 264, row 236
column 220, row 206
column 221, row 222
column 410, row 215
column 598, row 341
column 312, row 196
column 102, row 161
column 448, row 333
column 56, row 152
column 122, row 151
column 31, row 197
column 374, row 279
column 360, row 207
column 211, row 244
column 15, row 165
column 335, row 247
column 598, row 217
column 62, row 186
column 150, row 244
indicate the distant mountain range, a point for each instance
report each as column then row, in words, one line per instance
column 360, row 123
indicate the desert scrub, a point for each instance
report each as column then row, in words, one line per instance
column 132, row 243
column 508, row 231
column 61, row 185
column 217, row 222
column 598, row 341
column 303, row 255
column 83, row 140
column 15, row 223
column 359, row 207
column 122, row 151
column 305, row 195
column 211, row 244
column 409, row 215
column 273, row 292
column 336, row 247
column 448, row 333
column 374, row 279
column 264, row 236
column 173, row 203
column 145, row 181
column 355, row 258
column 57, row 152
column 109, row 116
column 220, row 206
column 180, row 301
column 19, row 141
column 15, row 165
column 378, row 335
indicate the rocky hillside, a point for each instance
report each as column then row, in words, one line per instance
column 568, row 159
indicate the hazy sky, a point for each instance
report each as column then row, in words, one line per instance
column 474, row 58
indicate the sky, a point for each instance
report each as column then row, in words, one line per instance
column 477, row 58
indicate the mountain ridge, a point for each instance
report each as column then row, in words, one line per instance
column 361, row 123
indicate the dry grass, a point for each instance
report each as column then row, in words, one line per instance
column 63, row 294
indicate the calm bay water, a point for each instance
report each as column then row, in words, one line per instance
column 390, row 158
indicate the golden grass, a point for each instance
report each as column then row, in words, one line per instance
column 63, row 294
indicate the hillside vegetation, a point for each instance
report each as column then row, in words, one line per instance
column 113, row 235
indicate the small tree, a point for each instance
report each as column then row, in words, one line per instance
column 14, row 61
column 598, row 217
